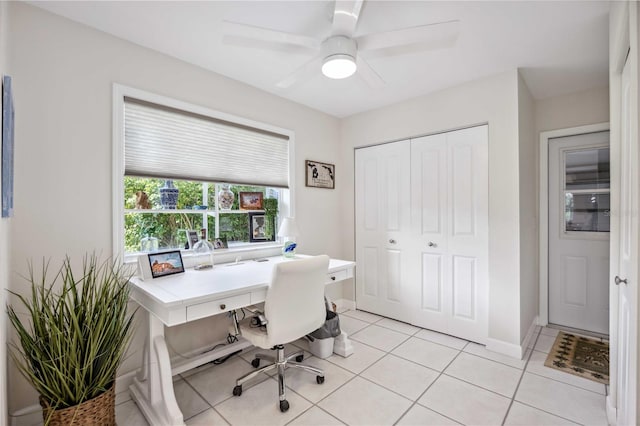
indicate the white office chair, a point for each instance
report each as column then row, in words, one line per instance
column 294, row 307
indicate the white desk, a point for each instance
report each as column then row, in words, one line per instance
column 178, row 299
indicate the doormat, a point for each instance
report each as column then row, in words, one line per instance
column 580, row 356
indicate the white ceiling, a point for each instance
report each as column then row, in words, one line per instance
column 561, row 46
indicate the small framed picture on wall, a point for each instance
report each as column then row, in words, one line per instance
column 320, row 175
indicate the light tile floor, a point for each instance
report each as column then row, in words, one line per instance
column 398, row 374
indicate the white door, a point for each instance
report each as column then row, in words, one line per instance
column 579, row 231
column 449, row 204
column 382, row 229
column 627, row 278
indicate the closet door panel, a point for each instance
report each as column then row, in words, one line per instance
column 431, row 308
column 468, row 236
column 462, row 197
column 422, row 231
column 382, row 227
column 430, row 209
column 369, row 265
column 394, row 275
column 464, row 287
column 432, row 283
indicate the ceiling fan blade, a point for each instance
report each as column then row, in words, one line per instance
column 368, row 74
column 345, row 17
column 267, row 35
column 304, row 72
column 440, row 35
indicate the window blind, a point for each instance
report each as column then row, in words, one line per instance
column 163, row 142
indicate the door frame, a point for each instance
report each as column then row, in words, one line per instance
column 543, row 207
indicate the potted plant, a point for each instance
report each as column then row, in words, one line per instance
column 73, row 338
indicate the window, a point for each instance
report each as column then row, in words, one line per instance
column 586, row 191
column 163, row 147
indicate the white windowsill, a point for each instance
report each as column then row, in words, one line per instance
column 248, row 251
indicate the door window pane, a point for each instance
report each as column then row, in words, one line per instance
column 587, row 169
column 586, row 212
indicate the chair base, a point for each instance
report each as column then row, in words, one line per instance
column 279, row 362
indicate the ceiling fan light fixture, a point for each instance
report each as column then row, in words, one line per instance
column 339, row 66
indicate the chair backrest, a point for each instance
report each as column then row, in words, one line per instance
column 294, row 305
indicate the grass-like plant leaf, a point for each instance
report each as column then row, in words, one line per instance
column 77, row 332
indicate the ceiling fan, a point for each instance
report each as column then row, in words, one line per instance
column 338, row 55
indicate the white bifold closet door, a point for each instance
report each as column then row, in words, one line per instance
column 383, row 224
column 449, row 205
column 422, row 231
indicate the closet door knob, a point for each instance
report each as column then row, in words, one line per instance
column 223, row 306
column 432, row 244
column 392, row 241
column 619, row 280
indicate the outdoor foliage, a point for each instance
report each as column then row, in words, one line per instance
column 170, row 228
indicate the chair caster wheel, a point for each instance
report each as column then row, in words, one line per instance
column 255, row 363
column 320, row 379
column 237, row 391
column 299, row 358
column 284, row 405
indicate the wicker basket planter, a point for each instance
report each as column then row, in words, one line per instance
column 99, row 411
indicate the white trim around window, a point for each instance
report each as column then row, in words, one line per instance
column 286, row 207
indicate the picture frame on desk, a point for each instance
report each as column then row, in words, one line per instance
column 192, row 237
column 258, row 228
column 250, row 200
column 220, row 243
column 165, row 263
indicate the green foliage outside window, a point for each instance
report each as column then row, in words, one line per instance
column 170, row 229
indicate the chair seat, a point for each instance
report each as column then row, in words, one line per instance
column 256, row 335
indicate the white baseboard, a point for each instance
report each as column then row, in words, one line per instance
column 124, row 381
column 512, row 349
column 28, row 416
column 345, row 304
column 611, row 411
column 529, row 336
column 509, row 349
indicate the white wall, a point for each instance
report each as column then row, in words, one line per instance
column 5, row 253
column 572, row 110
column 63, row 75
column 493, row 100
column 528, row 209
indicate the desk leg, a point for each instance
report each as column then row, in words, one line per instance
column 152, row 389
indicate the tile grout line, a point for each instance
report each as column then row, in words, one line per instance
column 205, row 399
column 385, row 353
column 547, row 412
column 515, row 391
column 570, row 384
column 429, row 387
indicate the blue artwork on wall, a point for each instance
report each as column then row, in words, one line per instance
column 7, row 147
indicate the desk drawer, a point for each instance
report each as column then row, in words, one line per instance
column 337, row 276
column 214, row 307
column 258, row 296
